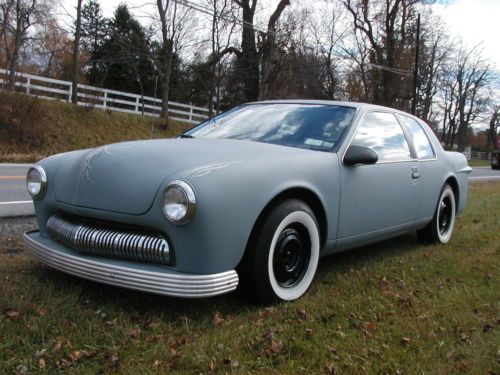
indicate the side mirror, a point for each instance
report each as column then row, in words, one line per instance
column 360, row 155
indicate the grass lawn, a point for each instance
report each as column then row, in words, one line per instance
column 479, row 163
column 393, row 308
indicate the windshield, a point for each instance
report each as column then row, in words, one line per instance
column 310, row 126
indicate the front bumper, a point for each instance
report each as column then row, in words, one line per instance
column 144, row 277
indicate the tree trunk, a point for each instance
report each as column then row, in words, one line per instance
column 249, row 60
column 268, row 49
column 165, row 80
column 76, row 50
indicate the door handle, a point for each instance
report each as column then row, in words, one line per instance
column 415, row 173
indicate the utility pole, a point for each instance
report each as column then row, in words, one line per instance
column 415, row 71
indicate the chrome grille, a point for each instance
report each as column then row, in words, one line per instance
column 109, row 242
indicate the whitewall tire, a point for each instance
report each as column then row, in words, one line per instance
column 282, row 257
column 440, row 229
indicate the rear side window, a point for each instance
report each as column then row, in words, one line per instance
column 420, row 140
column 381, row 132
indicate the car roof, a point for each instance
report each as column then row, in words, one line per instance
column 357, row 105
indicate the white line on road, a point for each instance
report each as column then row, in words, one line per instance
column 15, row 202
column 485, row 178
column 15, row 165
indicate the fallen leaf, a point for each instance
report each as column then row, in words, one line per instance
column 21, row 370
column 40, row 352
column 41, row 311
column 309, row 331
column 405, row 340
column 157, row 363
column 266, row 312
column 11, row 313
column 79, row 354
column 41, row 363
column 217, row 319
column 151, row 338
column 63, row 363
column 276, row 346
column 175, row 353
column 57, row 346
column 231, row 362
column 329, row 368
column 487, row 328
column 302, row 314
column 383, row 284
column 134, row 333
column 431, row 335
column 211, row 366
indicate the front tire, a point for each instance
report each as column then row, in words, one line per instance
column 440, row 229
column 282, row 256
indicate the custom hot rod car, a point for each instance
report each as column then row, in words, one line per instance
column 254, row 196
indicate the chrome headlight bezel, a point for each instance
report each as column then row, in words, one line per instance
column 43, row 181
column 189, row 197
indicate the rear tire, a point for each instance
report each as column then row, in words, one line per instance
column 281, row 259
column 440, row 229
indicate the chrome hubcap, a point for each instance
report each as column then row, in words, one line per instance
column 291, row 255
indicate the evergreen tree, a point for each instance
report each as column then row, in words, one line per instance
column 94, row 32
column 125, row 55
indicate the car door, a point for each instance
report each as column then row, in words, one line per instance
column 380, row 199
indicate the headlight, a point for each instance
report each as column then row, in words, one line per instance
column 36, row 181
column 179, row 202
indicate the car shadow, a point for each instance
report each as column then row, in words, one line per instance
column 121, row 301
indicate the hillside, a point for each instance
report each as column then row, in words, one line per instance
column 32, row 128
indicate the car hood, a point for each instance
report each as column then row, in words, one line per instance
column 125, row 177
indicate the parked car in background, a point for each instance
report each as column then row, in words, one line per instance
column 495, row 159
column 256, row 195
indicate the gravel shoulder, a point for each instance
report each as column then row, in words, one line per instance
column 11, row 231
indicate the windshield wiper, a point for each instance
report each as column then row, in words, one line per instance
column 184, row 136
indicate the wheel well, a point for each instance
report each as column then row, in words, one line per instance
column 306, row 196
column 456, row 191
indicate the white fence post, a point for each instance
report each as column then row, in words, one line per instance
column 190, row 111
column 105, row 102
column 137, row 104
column 28, row 83
column 70, row 91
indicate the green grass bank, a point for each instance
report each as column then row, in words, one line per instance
column 32, row 128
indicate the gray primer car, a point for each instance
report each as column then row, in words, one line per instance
column 254, row 196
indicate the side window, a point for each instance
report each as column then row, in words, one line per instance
column 381, row 132
column 420, row 140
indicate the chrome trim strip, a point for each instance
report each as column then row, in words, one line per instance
column 109, row 242
column 169, row 284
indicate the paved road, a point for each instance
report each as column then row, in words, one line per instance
column 15, row 200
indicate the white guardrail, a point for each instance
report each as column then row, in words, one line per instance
column 97, row 97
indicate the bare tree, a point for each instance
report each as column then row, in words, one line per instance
column 494, row 126
column 464, row 95
column 328, row 39
column 222, row 29
column 386, row 25
column 18, row 18
column 250, row 58
column 76, row 53
column 174, row 22
column 434, row 49
column 269, row 62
